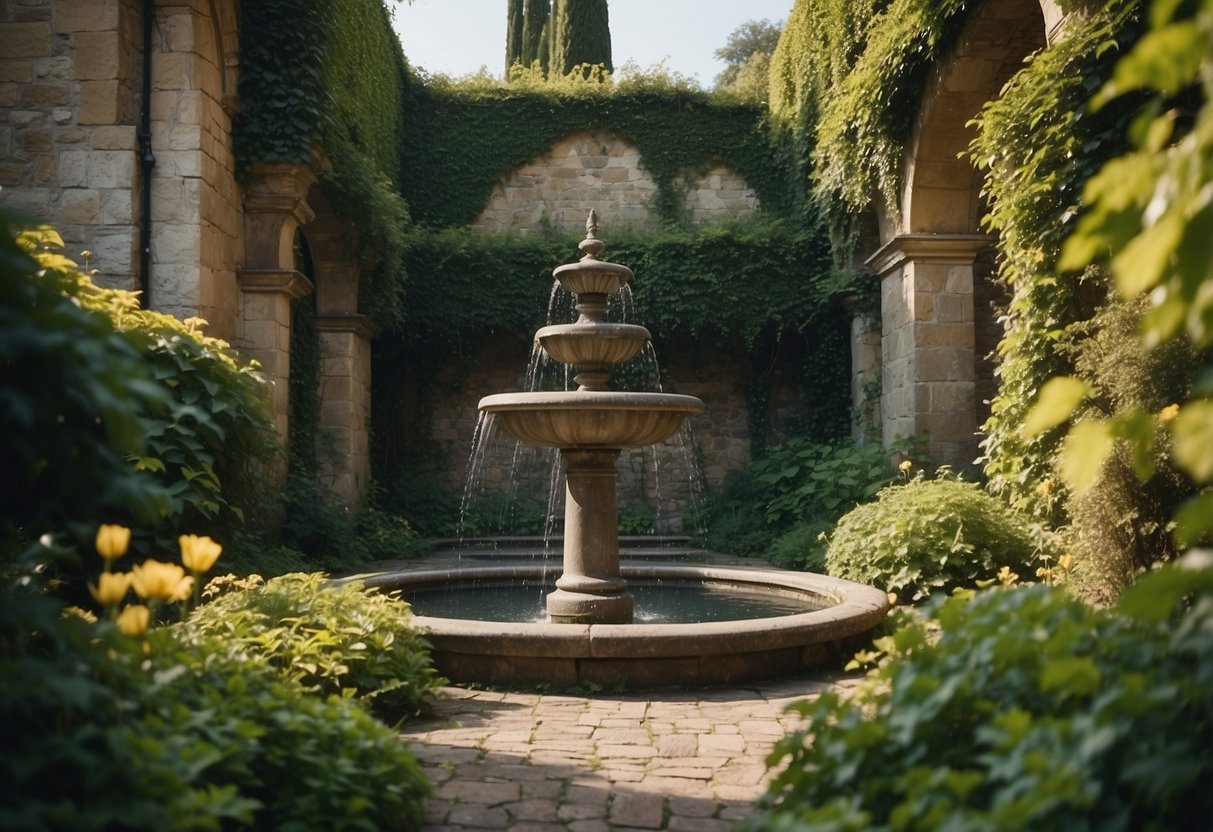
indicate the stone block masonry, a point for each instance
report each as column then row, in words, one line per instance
column 597, row 169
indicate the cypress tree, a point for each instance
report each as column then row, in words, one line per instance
column 535, row 20
column 579, row 33
column 514, row 33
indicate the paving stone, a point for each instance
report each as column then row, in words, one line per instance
column 682, row 824
column 677, row 745
column 589, row 825
column 475, row 814
column 595, row 794
column 537, row 810
column 550, row 789
column 626, row 751
column 693, row 807
column 476, row 791
column 645, row 811
column 581, row 811
column 436, row 811
column 537, row 827
column 721, row 743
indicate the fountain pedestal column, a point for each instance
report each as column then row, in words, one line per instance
column 591, row 589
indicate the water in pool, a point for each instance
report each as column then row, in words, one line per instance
column 667, row 603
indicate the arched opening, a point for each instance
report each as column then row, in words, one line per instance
column 938, row 299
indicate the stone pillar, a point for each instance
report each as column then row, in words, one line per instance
column 275, row 206
column 345, row 404
column 927, row 342
column 865, row 371
column 590, row 590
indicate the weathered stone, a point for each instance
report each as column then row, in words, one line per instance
column 25, row 40
column 645, row 811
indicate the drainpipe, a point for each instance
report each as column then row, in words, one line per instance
column 147, row 159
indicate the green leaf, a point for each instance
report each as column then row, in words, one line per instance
column 1192, row 434
column 1083, row 453
column 1194, row 520
column 1056, row 403
column 1076, row 675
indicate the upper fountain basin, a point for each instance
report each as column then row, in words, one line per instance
column 591, row 419
column 591, row 276
column 600, row 343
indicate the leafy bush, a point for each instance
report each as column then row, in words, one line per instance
column 929, row 535
column 189, row 734
column 802, row 547
column 792, row 495
column 1030, row 711
column 72, row 393
column 331, row 638
column 810, row 481
column 1122, row 524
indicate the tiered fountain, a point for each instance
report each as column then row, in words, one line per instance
column 590, row 426
column 589, row 636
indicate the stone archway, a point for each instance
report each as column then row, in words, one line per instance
column 345, row 337
column 934, row 265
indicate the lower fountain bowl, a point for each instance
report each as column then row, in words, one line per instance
column 837, row 616
column 585, row 419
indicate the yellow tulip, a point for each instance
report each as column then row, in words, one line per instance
column 159, row 581
column 112, row 541
column 198, row 553
column 111, row 588
column 133, row 620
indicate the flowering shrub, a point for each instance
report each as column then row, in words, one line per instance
column 119, row 723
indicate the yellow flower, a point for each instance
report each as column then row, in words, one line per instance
column 1044, row 487
column 133, row 620
column 161, row 581
column 905, row 465
column 111, row 588
column 1168, row 413
column 1006, row 577
column 198, row 553
column 112, row 541
column 1066, row 561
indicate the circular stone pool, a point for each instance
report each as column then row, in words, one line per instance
column 809, row 620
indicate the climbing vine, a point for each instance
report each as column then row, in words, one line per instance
column 322, row 83
column 464, row 135
column 1039, row 142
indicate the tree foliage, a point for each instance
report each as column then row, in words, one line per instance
column 754, row 37
column 579, row 35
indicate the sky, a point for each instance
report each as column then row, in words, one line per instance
column 458, row 37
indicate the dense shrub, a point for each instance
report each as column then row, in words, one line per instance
column 1122, row 524
column 188, row 734
column 331, row 638
column 1031, row 711
column 72, row 393
column 929, row 535
column 788, row 498
column 116, row 411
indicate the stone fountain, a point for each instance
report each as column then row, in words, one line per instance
column 590, row 636
column 590, row 426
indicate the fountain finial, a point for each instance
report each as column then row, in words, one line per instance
column 591, row 245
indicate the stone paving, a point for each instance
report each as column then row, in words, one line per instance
column 534, row 762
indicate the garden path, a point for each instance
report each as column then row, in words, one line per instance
column 542, row 762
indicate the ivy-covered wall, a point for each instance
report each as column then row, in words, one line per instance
column 322, row 82
column 463, row 137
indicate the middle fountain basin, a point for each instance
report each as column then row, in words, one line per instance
column 584, row 419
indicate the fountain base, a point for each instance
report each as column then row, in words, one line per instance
column 566, row 607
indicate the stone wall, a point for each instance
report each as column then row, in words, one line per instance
column 600, row 170
column 69, row 71
column 70, row 99
column 437, row 435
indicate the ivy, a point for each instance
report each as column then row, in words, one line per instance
column 323, row 83
column 1039, row 143
column 463, row 136
column 847, row 100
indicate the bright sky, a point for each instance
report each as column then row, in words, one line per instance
column 457, row 37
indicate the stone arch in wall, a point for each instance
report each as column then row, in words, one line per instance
column 343, row 436
column 197, row 240
column 935, row 264
column 717, row 192
column 585, row 169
